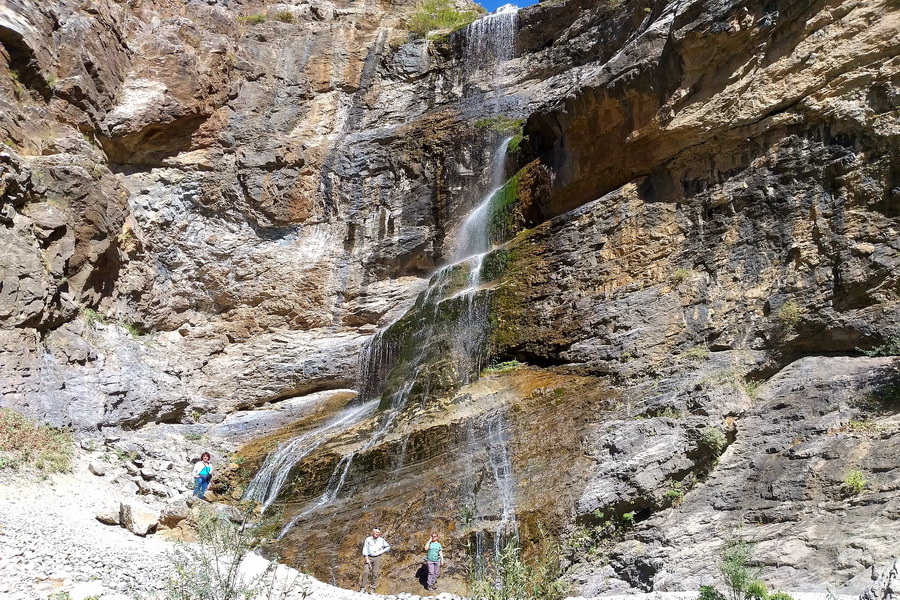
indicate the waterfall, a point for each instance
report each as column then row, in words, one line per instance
column 442, row 341
column 268, row 482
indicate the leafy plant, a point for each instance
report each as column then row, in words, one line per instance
column 510, row 577
column 92, row 316
column 735, row 567
column 713, row 439
column 501, row 124
column 697, row 353
column 210, row 569
column 434, row 15
column 674, row 494
column 751, row 386
column 890, row 348
column 779, row 595
column 23, row 442
column 788, row 315
column 756, row 590
column 708, row 592
column 855, row 482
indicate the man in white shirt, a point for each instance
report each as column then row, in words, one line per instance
column 373, row 548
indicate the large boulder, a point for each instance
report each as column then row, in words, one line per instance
column 887, row 586
column 139, row 520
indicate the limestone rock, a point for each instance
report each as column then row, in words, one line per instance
column 138, row 519
column 174, row 512
column 109, row 516
column 887, row 586
column 97, row 469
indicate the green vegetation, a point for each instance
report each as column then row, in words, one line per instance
column 756, row 590
column 515, row 144
column 735, row 567
column 890, row 348
column 681, row 275
column 24, row 443
column 788, row 315
column 284, row 16
column 855, row 482
column 503, row 367
column 713, row 439
column 438, row 15
column 92, row 316
column 697, row 353
column 591, row 538
column 511, row 577
column 501, row 124
column 780, row 596
column 708, row 592
column 208, row 569
column 674, row 494
column 751, row 386
column 252, row 19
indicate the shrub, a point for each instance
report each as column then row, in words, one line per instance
column 889, row 348
column 23, row 442
column 92, row 316
column 751, row 386
column 788, row 315
column 734, row 565
column 433, row 15
column 781, row 596
column 697, row 353
column 210, row 569
column 285, row 16
column 509, row 577
column 713, row 439
column 855, row 482
column 708, row 592
column 503, row 367
column 252, row 19
column 680, row 275
column 674, row 494
column 756, row 590
column 501, row 124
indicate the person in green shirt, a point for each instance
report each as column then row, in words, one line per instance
column 435, row 558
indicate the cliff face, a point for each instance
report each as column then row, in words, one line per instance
column 203, row 214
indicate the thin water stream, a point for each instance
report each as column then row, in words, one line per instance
column 443, row 337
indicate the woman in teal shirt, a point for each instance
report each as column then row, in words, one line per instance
column 434, row 558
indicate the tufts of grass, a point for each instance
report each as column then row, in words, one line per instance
column 788, row 315
column 438, row 15
column 501, row 124
column 503, row 367
column 252, row 19
column 697, row 353
column 680, row 276
column 23, row 442
column 284, row 16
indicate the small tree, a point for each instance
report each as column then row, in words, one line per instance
column 211, row 569
column 734, row 564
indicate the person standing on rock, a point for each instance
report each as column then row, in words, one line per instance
column 202, row 475
column 435, row 558
column 373, row 548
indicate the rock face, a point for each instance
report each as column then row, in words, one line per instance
column 206, row 217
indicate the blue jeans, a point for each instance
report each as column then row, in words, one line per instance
column 200, row 485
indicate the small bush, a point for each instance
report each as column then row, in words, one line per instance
column 434, row 15
column 889, row 348
column 756, row 590
column 503, row 367
column 285, row 16
column 252, row 19
column 751, row 386
column 713, row 439
column 92, row 316
column 708, row 592
column 23, row 442
column 680, row 276
column 788, row 315
column 510, row 577
column 781, row 596
column 735, row 567
column 855, row 482
column 210, row 569
column 697, row 353
column 674, row 494
column 501, row 124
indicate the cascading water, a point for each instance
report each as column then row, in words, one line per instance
column 442, row 342
column 271, row 477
